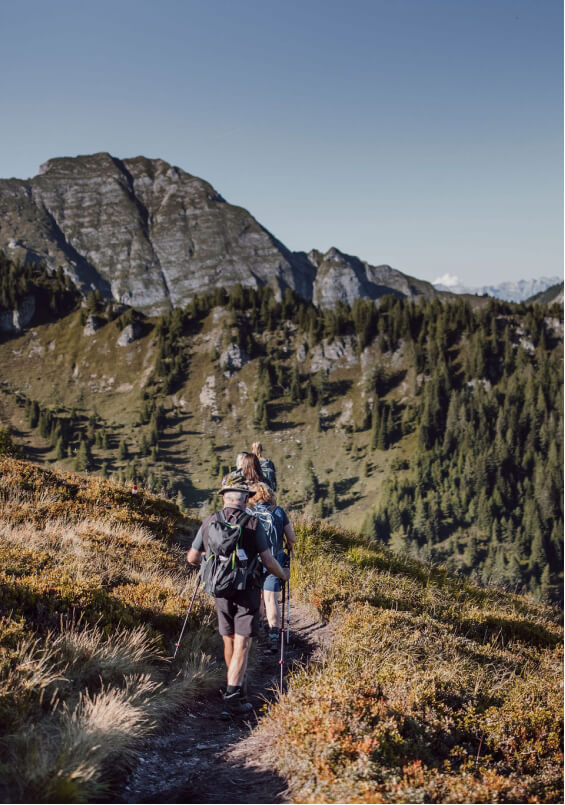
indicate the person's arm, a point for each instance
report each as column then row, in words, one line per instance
column 290, row 536
column 273, row 566
column 194, row 555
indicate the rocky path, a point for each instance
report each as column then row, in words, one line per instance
column 202, row 758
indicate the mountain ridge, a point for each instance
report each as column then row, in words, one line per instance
column 148, row 234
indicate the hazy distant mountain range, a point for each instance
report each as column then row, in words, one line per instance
column 516, row 291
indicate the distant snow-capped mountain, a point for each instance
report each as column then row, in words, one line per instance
column 517, row 291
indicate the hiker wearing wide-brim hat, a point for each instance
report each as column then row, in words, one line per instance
column 237, row 487
column 238, row 611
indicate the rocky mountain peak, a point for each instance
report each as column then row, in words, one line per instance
column 148, row 234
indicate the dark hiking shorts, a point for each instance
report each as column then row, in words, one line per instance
column 239, row 614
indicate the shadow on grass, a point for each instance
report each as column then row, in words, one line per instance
column 278, row 426
column 338, row 388
column 342, row 487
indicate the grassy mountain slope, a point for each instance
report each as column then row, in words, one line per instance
column 434, row 689
column 549, row 296
column 436, row 426
column 93, row 588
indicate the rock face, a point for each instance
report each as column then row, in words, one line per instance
column 92, row 325
column 141, row 232
column 329, row 354
column 129, row 334
column 233, row 359
column 150, row 235
column 14, row 321
column 343, row 278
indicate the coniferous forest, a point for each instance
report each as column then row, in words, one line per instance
column 479, row 484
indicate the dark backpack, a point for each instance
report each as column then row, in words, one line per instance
column 226, row 568
column 268, row 469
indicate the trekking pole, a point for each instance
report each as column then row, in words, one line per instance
column 281, row 660
column 288, row 603
column 177, row 644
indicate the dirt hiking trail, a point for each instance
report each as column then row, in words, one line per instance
column 201, row 758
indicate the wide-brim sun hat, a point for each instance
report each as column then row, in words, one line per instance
column 241, row 488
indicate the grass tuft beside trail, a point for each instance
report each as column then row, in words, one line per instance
column 93, row 592
column 433, row 690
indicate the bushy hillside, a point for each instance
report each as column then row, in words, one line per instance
column 434, row 690
column 436, row 426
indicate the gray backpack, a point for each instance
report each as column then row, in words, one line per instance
column 268, row 469
column 226, row 568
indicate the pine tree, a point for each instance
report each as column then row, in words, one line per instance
column 295, row 390
column 397, row 542
column 83, row 459
column 180, row 501
column 332, row 498
column 311, row 481
column 60, row 449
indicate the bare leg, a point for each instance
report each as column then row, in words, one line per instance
column 228, row 649
column 272, row 608
column 238, row 662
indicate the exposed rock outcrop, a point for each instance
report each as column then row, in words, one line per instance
column 328, row 354
column 130, row 333
column 14, row 321
column 93, row 324
column 343, row 278
column 233, row 359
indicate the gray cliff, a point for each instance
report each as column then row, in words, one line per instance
column 150, row 235
column 344, row 278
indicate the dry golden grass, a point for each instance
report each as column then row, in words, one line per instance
column 94, row 594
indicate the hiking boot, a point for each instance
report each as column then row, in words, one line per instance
column 274, row 633
column 235, row 704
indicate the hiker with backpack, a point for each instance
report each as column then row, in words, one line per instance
column 278, row 529
column 267, row 466
column 227, row 548
column 235, row 471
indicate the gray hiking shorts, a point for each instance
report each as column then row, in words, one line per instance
column 239, row 614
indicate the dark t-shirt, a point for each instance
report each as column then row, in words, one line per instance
column 253, row 537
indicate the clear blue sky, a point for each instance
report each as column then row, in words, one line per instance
column 427, row 134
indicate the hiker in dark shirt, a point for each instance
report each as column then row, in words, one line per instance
column 238, row 616
column 267, row 466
